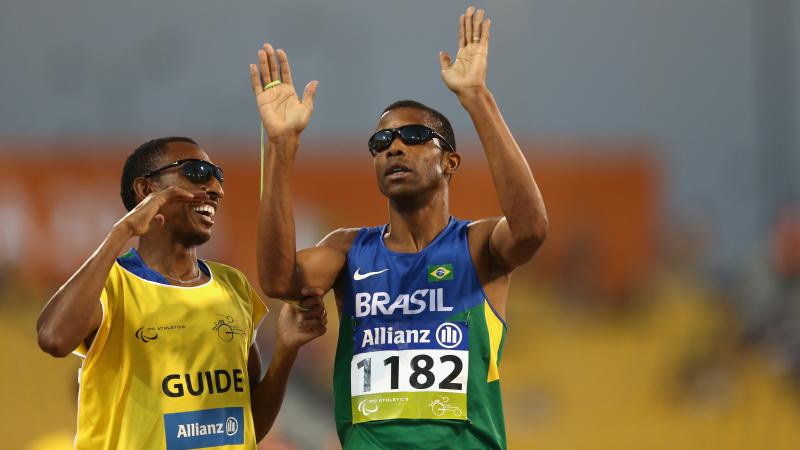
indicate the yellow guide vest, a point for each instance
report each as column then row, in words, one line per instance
column 167, row 368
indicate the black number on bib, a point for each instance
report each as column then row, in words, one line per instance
column 394, row 361
column 447, row 383
column 366, row 364
column 420, row 370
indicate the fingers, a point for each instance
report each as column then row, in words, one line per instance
column 255, row 80
column 272, row 65
column 462, row 40
column 317, row 329
column 160, row 198
column 312, row 292
column 309, row 92
column 468, row 22
column 444, row 61
column 311, row 306
column 314, row 317
column 272, row 62
column 476, row 25
column 286, row 72
column 174, row 192
column 263, row 64
column 177, row 194
column 472, row 27
column 313, row 322
column 310, row 314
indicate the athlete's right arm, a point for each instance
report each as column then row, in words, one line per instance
column 282, row 270
column 73, row 313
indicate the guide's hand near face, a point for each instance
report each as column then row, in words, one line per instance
column 148, row 212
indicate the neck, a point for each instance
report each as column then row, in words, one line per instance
column 413, row 225
column 168, row 257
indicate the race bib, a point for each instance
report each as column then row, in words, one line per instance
column 409, row 371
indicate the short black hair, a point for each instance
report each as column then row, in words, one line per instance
column 439, row 122
column 141, row 161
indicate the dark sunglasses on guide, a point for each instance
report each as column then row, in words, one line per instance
column 196, row 170
column 409, row 134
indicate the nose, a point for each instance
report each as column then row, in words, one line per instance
column 395, row 150
column 214, row 189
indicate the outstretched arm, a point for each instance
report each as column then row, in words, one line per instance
column 73, row 313
column 282, row 271
column 296, row 327
column 518, row 235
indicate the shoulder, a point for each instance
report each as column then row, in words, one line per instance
column 222, row 268
column 341, row 239
column 480, row 230
column 116, row 278
column 479, row 236
column 226, row 274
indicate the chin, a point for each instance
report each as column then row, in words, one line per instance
column 403, row 192
column 194, row 239
column 404, row 196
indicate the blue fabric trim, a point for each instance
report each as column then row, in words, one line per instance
column 132, row 262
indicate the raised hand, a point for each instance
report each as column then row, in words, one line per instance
column 282, row 112
column 468, row 71
column 301, row 322
column 147, row 213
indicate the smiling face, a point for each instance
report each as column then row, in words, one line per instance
column 190, row 224
column 407, row 171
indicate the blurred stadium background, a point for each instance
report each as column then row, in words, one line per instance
column 662, row 313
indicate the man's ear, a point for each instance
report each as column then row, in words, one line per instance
column 452, row 162
column 142, row 187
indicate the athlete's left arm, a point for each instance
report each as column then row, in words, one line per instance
column 297, row 325
column 518, row 235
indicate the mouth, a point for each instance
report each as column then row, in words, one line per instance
column 396, row 171
column 206, row 213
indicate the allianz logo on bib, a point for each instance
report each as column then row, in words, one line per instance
column 381, row 303
column 205, row 428
column 377, row 336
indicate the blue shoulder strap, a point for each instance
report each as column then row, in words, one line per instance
column 132, row 262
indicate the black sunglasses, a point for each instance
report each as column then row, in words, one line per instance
column 409, row 134
column 196, row 170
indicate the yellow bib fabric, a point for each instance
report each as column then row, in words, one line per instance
column 168, row 366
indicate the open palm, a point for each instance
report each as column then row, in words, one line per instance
column 283, row 113
column 468, row 71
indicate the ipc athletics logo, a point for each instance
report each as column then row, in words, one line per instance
column 448, row 335
column 142, row 335
column 366, row 410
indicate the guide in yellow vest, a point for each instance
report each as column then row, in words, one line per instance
column 170, row 358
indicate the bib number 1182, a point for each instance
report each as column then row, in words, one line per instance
column 409, row 370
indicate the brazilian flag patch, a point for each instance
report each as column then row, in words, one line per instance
column 441, row 272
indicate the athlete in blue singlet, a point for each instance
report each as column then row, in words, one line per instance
column 421, row 299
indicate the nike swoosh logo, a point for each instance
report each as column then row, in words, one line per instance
column 360, row 276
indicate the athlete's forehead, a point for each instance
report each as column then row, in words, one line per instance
column 183, row 150
column 398, row 117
